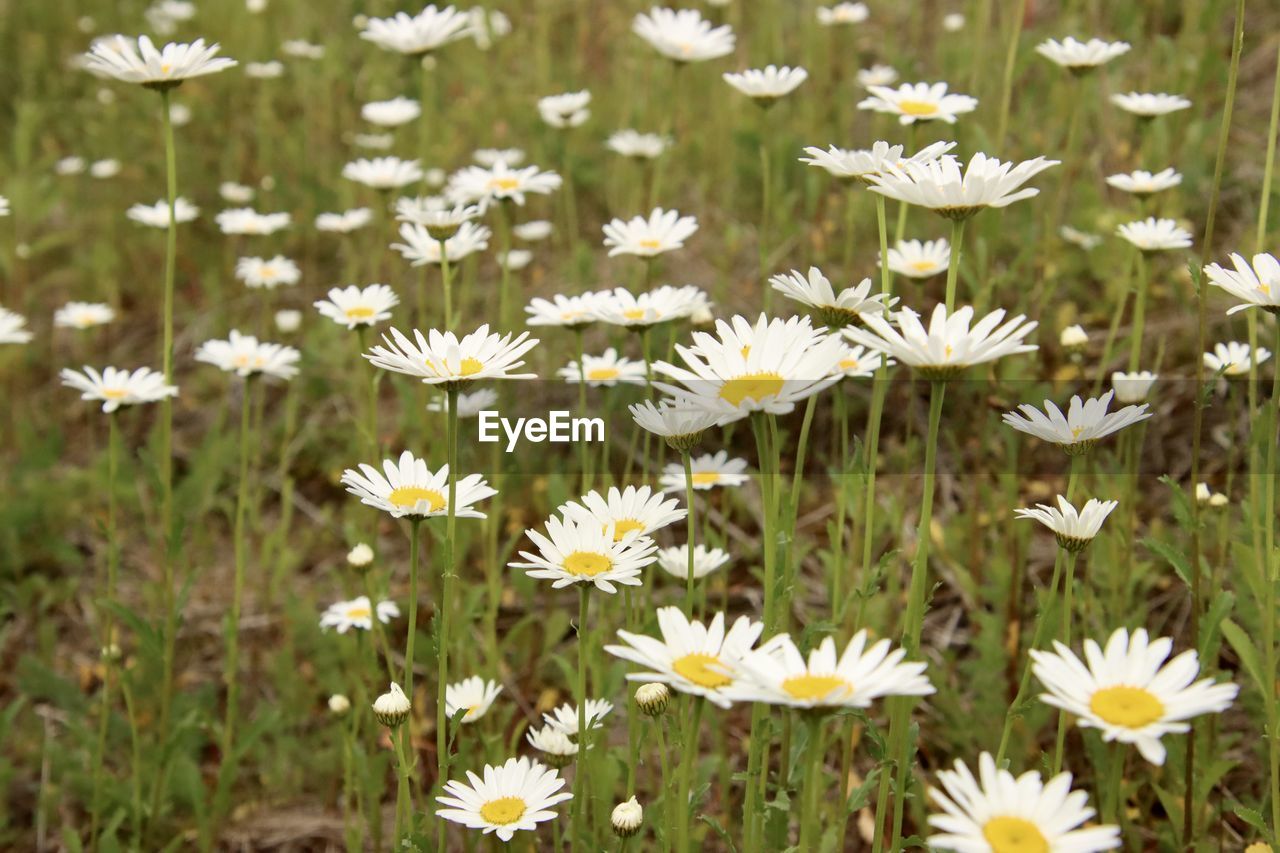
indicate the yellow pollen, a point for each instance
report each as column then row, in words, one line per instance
column 922, row 266
column 165, row 69
column 849, row 364
column 745, row 351
column 1265, row 288
column 267, row 272
column 706, row 478
column 634, row 313
column 649, row 244
column 507, row 184
column 587, row 564
column 1130, row 707
column 1075, row 431
column 754, row 386
column 360, row 312
column 114, row 393
column 809, row 686
column 947, row 350
column 570, row 315
column 598, row 373
column 625, row 526
column 471, row 366
column 1014, row 835
column 504, row 811
column 408, row 496
column 703, row 670
column 359, row 613
column 917, row 108
column 241, row 361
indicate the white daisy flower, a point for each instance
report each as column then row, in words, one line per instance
column 515, row 796
column 877, row 75
column 835, row 310
column 1155, row 235
column 514, row 260
column 913, row 102
column 639, row 146
column 1085, row 422
column 392, row 708
column 1132, row 387
column 69, row 166
column 234, row 193
column 469, row 405
column 571, row 312
column 564, row 719
column 302, row 49
column 567, row 110
column 998, row 812
column 440, row 358
column 1081, row 56
column 4, row 206
column 682, row 428
column 115, row 387
column 710, row 471
column 778, row 674
column 383, row 173
column 140, row 62
column 1073, row 338
column 157, row 215
column 626, row 818
column 632, row 510
column 418, row 34
column 342, row 616
column 421, row 248
column 861, row 363
column 440, row 219
column 585, row 552
column 288, row 320
column 267, row 273
column 661, row 305
column 410, row 488
column 675, row 561
column 483, row 187
column 1141, row 182
column 392, row 113
column 1257, row 285
column 490, row 157
column 532, row 231
column 246, row 356
column 83, row 315
column 605, row 370
column 863, row 163
column 1083, row 239
column 353, row 306
column 950, row 344
column 264, row 70
column 683, row 35
column 663, row 231
column 1206, row 495
column 344, row 222
column 488, row 25
column 1127, row 691
column 1149, row 105
column 843, row 14
column 1073, row 529
column 244, row 220
column 916, row 259
column 556, row 747
column 474, row 694
column 104, row 169
column 701, row 660
column 1234, row 358
column 768, row 84
column 13, row 328
column 957, row 192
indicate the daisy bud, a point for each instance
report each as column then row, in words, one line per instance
column 557, row 749
column 339, row 704
column 392, row 708
column 1218, row 500
column 111, row 652
column 626, row 818
column 360, row 557
column 652, row 698
column 288, row 321
column 1203, row 493
column 1073, row 338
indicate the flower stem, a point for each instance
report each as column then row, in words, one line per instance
column 810, row 796
column 108, row 619
column 1006, row 86
column 580, row 775
column 583, row 447
column 414, row 523
column 764, row 220
column 1067, row 589
column 444, row 614
column 689, row 528
column 446, row 278
column 1141, row 285
column 953, row 268
column 688, row 765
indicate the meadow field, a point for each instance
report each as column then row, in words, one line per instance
column 558, row 425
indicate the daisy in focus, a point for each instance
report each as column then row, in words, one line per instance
column 353, row 306
column 442, row 358
column 410, row 488
column 473, row 694
column 575, row 552
column 1085, row 422
column 709, row 471
column 605, row 370
column 683, row 35
column 246, row 356
column 1073, row 529
column 917, row 259
column 342, row 616
column 912, row 102
column 485, row 186
column 507, row 799
column 861, row 164
column 140, row 61
column 661, row 305
column 680, row 427
column 957, row 192
column 663, row 231
column 1256, row 285
column 950, row 344
column 835, row 310
column 116, row 388
column 631, row 510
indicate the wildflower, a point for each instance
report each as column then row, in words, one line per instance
column 1073, row 529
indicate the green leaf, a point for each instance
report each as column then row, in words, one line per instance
column 1171, row 555
column 1245, row 650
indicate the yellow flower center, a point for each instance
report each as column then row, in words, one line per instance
column 702, row 669
column 359, row 613
column 587, row 564
column 634, row 313
column 165, row 69
column 917, row 108
column 504, row 811
column 849, row 364
column 598, row 373
column 625, row 526
column 471, row 366
column 360, row 312
column 754, row 386
column 1130, row 707
column 810, row 686
column 408, row 496
column 650, row 244
column 114, row 393
column 1075, row 431
column 1014, row 835
column 506, row 184
column 267, row 272
column 922, row 266
column 706, row 478
column 570, row 315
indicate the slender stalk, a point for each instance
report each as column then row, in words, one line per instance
column 580, row 823
column 414, row 523
column 765, row 192
column 1067, row 590
column 811, row 795
column 583, row 448
column 689, row 529
column 503, row 222
column 668, row 798
column 446, row 279
column 1006, row 85
column 688, row 766
column 1114, row 782
column 444, row 614
column 1141, row 286
column 404, row 795
column 953, row 268
column 108, row 629
column 231, row 676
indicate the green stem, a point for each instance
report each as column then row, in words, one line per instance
column 1141, row 285
column 1006, row 86
column 764, row 220
column 414, row 523
column 447, row 280
column 689, row 530
column 445, row 613
column 668, row 797
column 583, row 448
column 1115, row 781
column 811, row 795
column 108, row 619
column 1067, row 590
column 580, row 775
column 953, row 268
column 688, row 766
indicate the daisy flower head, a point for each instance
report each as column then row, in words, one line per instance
column 662, row 305
column 565, row 718
column 877, row 75
column 354, row 306
column 1256, row 285
column 1000, row 812
column 861, row 164
column 506, row 799
column 709, row 471
column 342, row 616
column 419, row 34
column 920, row 259
column 421, row 248
column 842, row 14
column 514, row 260
column 1155, row 235
column 442, row 358
column 631, row 510
column 267, row 273
column 1085, row 422
column 140, row 62
column 157, row 215
column 778, row 674
column 490, row 157
column 1207, row 496
column 605, row 370
column 680, row 427
column 4, row 206
column 766, row 85
column 771, row 367
column 688, row 656
column 441, row 221
column 663, row 231
column 1081, row 239
column 83, row 315
column 585, row 551
column 532, row 231
column 392, row 708
column 264, row 70
column 861, row 363
column 393, row 113
column 1235, row 358
column 958, row 192
column 683, row 35
column 344, row 222
column 469, row 405
column 116, row 388
column 410, row 488
column 1074, row 529
column 557, row 748
column 1079, row 57
column 912, row 102
column 567, row 110
column 675, row 561
column 835, row 310
column 1141, row 182
column 475, row 695
column 1073, row 338
column 383, row 173
column 1132, row 387
column 302, row 49
column 626, row 818
column 637, row 145
column 951, row 343
column 104, row 169
column 1128, row 691
column 1149, row 106
column 571, row 312
column 484, row 186
column 13, row 328
column 246, row 356
column 69, row 166
column 245, row 220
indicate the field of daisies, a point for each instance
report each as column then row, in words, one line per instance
column 562, row 426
